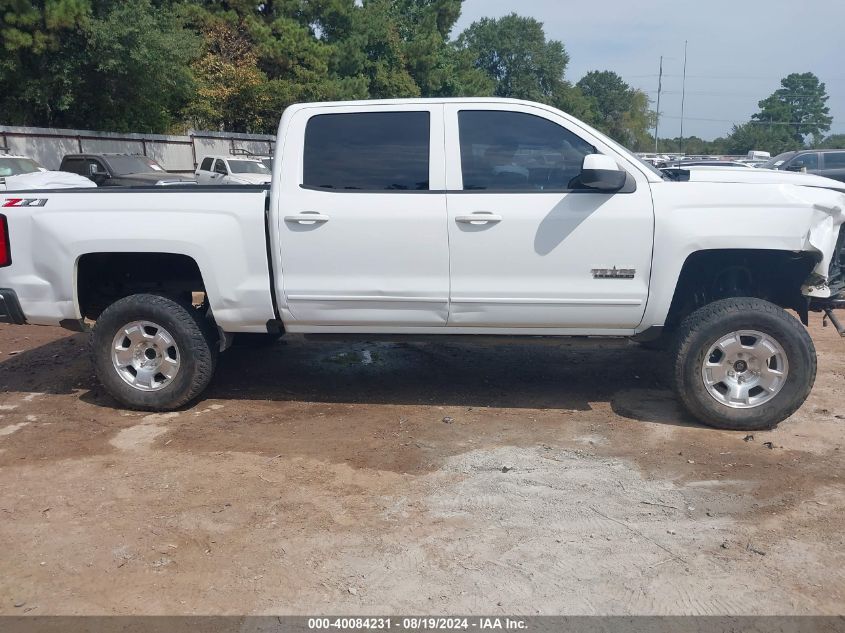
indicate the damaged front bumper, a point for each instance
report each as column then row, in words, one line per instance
column 827, row 293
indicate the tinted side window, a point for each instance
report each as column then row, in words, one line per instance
column 75, row 165
column 834, row 160
column 809, row 161
column 368, row 151
column 515, row 151
column 220, row 167
column 206, row 164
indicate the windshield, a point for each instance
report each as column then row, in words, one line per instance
column 18, row 166
column 777, row 161
column 122, row 165
column 247, row 167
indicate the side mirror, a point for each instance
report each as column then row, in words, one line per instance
column 95, row 174
column 601, row 173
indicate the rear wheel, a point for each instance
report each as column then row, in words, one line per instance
column 743, row 364
column 151, row 352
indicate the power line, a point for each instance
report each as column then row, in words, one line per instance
column 707, row 93
column 805, row 79
column 755, row 122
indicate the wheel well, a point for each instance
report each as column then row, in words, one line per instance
column 708, row 276
column 103, row 278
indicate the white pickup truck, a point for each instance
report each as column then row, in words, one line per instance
column 452, row 217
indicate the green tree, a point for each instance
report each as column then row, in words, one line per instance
column 42, row 49
column 621, row 112
column 800, row 102
column 834, row 141
column 136, row 76
column 759, row 136
column 103, row 65
column 514, row 53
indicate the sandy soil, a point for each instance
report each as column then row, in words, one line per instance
column 555, row 478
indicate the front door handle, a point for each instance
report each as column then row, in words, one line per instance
column 307, row 217
column 479, row 217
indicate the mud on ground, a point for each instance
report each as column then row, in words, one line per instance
column 555, row 478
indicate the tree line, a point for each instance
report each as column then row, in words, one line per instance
column 164, row 66
column 168, row 65
column 794, row 116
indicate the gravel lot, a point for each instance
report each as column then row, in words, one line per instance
column 552, row 478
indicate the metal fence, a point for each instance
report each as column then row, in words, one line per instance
column 174, row 153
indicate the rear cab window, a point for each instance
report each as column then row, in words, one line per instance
column 368, row 151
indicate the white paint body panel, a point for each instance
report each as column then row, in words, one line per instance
column 399, row 263
column 533, row 268
column 222, row 233
column 374, row 258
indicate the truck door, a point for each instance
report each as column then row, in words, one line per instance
column 363, row 220
column 526, row 249
column 221, row 173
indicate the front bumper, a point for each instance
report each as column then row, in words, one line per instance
column 832, row 295
column 10, row 307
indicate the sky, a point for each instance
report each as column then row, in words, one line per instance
column 738, row 50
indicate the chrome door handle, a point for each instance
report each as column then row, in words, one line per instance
column 307, row 217
column 479, row 217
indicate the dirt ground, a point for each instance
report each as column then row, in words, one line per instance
column 549, row 478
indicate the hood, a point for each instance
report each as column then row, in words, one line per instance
column 151, row 178
column 250, row 179
column 47, row 180
column 762, row 176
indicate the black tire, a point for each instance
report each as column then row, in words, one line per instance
column 704, row 327
column 194, row 338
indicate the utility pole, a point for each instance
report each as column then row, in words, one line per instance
column 657, row 115
column 683, row 99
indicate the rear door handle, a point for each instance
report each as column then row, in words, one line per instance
column 307, row 217
column 479, row 217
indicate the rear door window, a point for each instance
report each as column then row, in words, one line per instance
column 206, row 164
column 368, row 151
column 834, row 160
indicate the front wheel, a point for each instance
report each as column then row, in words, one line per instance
column 743, row 364
column 153, row 353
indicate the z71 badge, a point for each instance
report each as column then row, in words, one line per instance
column 614, row 273
column 25, row 202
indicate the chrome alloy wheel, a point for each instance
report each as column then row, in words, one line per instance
column 145, row 355
column 745, row 369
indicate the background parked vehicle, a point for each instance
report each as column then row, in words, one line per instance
column 829, row 163
column 686, row 164
column 23, row 173
column 233, row 170
column 15, row 165
column 122, row 170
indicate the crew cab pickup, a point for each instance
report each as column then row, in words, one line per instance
column 451, row 217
